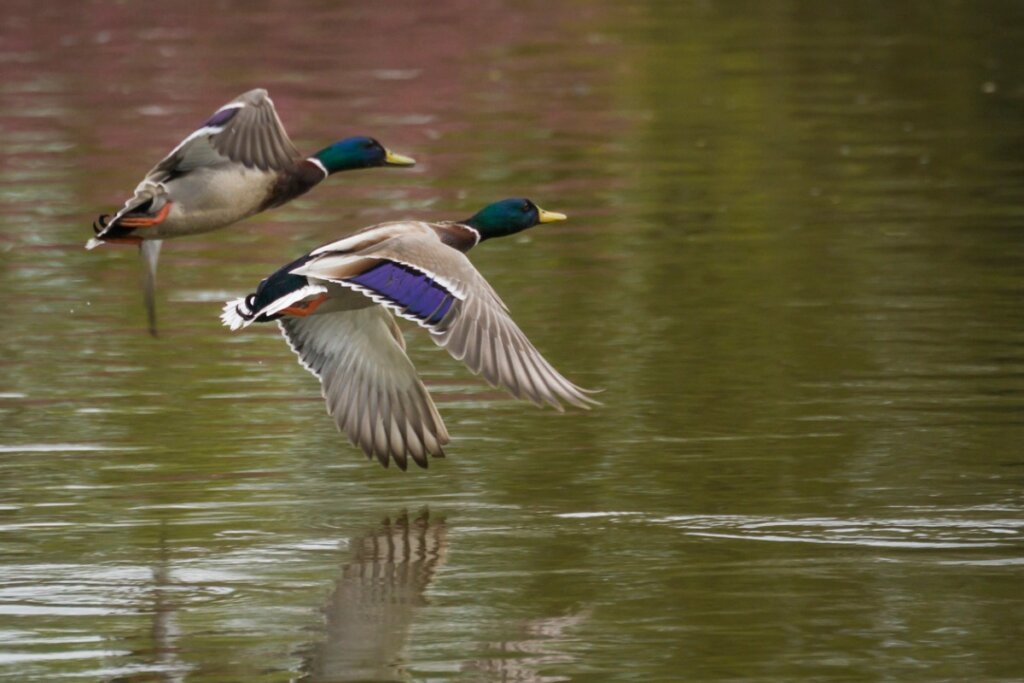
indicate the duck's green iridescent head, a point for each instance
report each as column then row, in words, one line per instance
column 510, row 216
column 359, row 152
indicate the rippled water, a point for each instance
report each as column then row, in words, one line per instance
column 795, row 263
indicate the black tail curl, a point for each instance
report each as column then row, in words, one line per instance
column 101, row 223
column 249, row 312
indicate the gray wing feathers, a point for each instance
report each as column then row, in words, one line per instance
column 481, row 335
column 478, row 329
column 255, row 136
column 369, row 384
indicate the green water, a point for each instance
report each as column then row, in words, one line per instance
column 795, row 265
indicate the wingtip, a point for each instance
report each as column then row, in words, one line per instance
column 583, row 400
column 401, row 459
column 422, row 459
column 578, row 398
column 254, row 96
column 587, row 393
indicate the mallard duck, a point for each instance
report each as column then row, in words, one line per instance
column 237, row 163
column 334, row 307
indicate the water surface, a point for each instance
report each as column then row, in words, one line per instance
column 795, row 264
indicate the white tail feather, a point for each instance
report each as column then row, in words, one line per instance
column 236, row 314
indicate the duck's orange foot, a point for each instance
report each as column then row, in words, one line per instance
column 140, row 222
column 304, row 308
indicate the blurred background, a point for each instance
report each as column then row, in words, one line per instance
column 794, row 262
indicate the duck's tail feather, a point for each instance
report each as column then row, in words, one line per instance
column 238, row 313
column 148, row 200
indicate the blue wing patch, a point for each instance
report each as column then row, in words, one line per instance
column 417, row 294
column 220, row 118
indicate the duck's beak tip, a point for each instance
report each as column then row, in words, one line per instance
column 395, row 159
column 551, row 216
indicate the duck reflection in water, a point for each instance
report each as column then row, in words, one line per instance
column 537, row 646
column 373, row 603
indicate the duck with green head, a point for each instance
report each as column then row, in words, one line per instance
column 335, row 304
column 239, row 162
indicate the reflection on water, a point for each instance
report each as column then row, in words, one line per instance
column 368, row 614
column 794, row 259
column 525, row 658
column 166, row 629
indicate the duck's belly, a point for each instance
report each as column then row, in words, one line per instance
column 206, row 200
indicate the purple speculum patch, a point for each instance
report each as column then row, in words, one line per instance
column 418, row 294
column 221, row 117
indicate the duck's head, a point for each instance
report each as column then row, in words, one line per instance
column 359, row 152
column 510, row 216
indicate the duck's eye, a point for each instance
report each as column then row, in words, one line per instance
column 525, row 208
column 369, row 144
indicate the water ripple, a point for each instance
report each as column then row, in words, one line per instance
column 913, row 532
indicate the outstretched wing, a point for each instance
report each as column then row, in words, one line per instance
column 246, row 130
column 420, row 278
column 370, row 385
